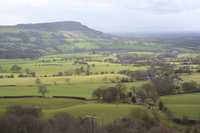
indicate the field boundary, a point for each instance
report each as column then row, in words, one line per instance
column 56, row 97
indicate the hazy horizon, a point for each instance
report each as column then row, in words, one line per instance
column 111, row 16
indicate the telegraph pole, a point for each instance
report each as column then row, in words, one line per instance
column 91, row 123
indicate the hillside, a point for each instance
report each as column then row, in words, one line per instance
column 33, row 40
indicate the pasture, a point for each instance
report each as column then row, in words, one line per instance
column 79, row 86
column 191, row 77
column 51, row 65
column 101, row 73
column 184, row 105
column 104, row 113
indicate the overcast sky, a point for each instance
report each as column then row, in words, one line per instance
column 107, row 15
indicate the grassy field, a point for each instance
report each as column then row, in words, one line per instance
column 105, row 78
column 80, row 86
column 77, row 85
column 191, row 77
column 53, row 64
column 104, row 113
column 184, row 105
column 78, row 90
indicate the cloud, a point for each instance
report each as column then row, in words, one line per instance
column 143, row 5
column 106, row 15
column 160, row 6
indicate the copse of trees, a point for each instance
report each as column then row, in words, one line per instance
column 164, row 79
column 148, row 94
column 111, row 94
column 135, row 75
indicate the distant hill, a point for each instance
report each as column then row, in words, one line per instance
column 33, row 40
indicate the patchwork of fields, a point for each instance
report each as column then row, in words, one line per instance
column 101, row 74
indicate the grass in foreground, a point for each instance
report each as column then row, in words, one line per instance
column 104, row 113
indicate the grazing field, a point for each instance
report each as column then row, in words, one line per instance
column 101, row 74
column 105, row 78
column 78, row 75
column 76, row 90
column 79, row 86
column 184, row 105
column 75, row 84
column 43, row 103
column 105, row 113
column 191, row 77
column 47, row 66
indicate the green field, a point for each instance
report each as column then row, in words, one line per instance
column 53, row 64
column 191, row 77
column 80, row 86
column 102, row 74
column 104, row 112
column 184, row 105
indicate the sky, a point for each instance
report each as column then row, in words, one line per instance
column 107, row 15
